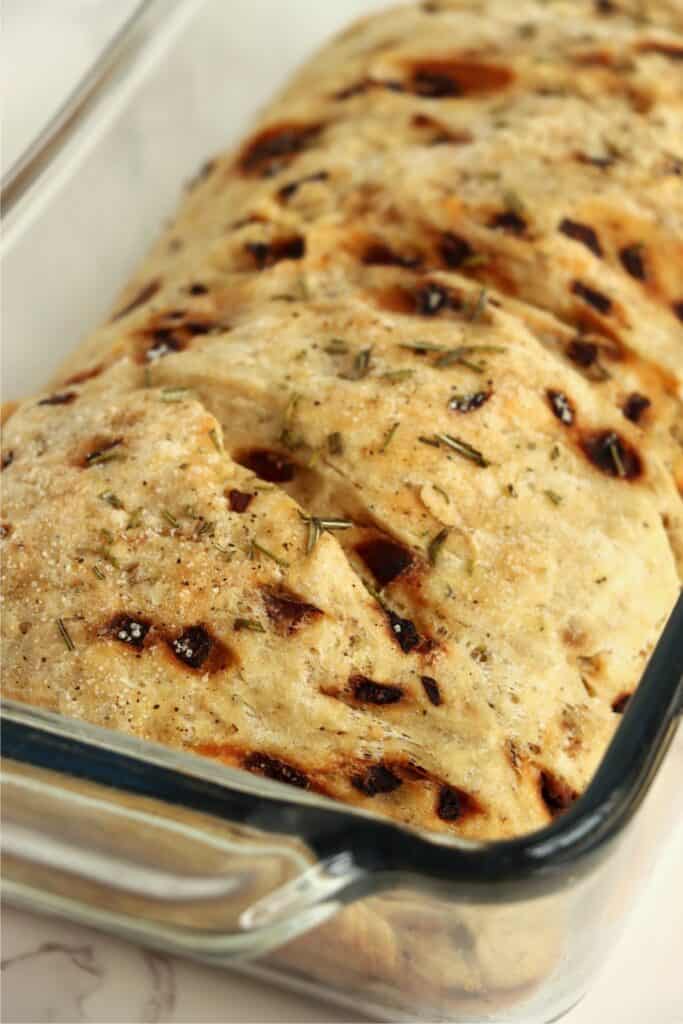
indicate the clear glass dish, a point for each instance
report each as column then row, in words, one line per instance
column 190, row 856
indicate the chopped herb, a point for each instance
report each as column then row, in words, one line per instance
column 554, row 497
column 477, row 259
column 289, row 440
column 176, row 394
column 98, row 572
column 313, row 534
column 421, row 346
column 108, row 455
column 511, row 490
column 111, row 499
column 436, row 544
column 514, row 202
column 204, row 526
column 300, row 356
column 389, row 436
column 108, row 536
column 290, row 410
column 456, row 444
column 147, row 377
column 337, row 347
column 255, row 546
column 555, row 452
column 461, row 354
column 361, row 365
column 250, row 624
column 478, row 306
column 223, row 550
column 135, row 519
column 316, row 526
column 335, row 443
column 108, row 557
column 375, row 593
column 287, row 437
column 398, row 375
column 612, row 445
column 335, row 524
column 215, row 440
column 64, row 633
column 170, row 518
column 444, row 495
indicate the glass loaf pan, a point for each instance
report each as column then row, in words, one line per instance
column 193, row 857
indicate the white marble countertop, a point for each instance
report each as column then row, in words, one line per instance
column 55, row 971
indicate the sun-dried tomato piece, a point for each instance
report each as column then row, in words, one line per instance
column 385, row 558
column 583, row 233
column 63, row 398
column 561, row 406
column 129, row 629
column 468, row 403
column 455, row 250
column 594, row 298
column 239, row 501
column 510, row 221
column 620, row 703
column 404, row 632
column 631, row 257
column 274, row 768
column 635, row 405
column 453, row 803
column 611, row 454
column 193, row 646
column 288, row 612
column 555, row 793
column 369, row 692
column 266, row 254
column 431, row 299
column 431, row 688
column 582, row 353
column 267, row 464
column 375, row 780
column 273, row 148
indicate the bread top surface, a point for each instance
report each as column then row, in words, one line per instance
column 536, row 150
column 484, row 664
column 434, row 302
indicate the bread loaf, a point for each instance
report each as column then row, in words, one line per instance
column 372, row 482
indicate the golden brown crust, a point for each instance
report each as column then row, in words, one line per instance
column 414, row 299
column 372, row 482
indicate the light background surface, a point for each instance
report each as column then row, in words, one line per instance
column 54, row 971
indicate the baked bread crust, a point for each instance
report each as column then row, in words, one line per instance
column 436, row 300
column 391, row 331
